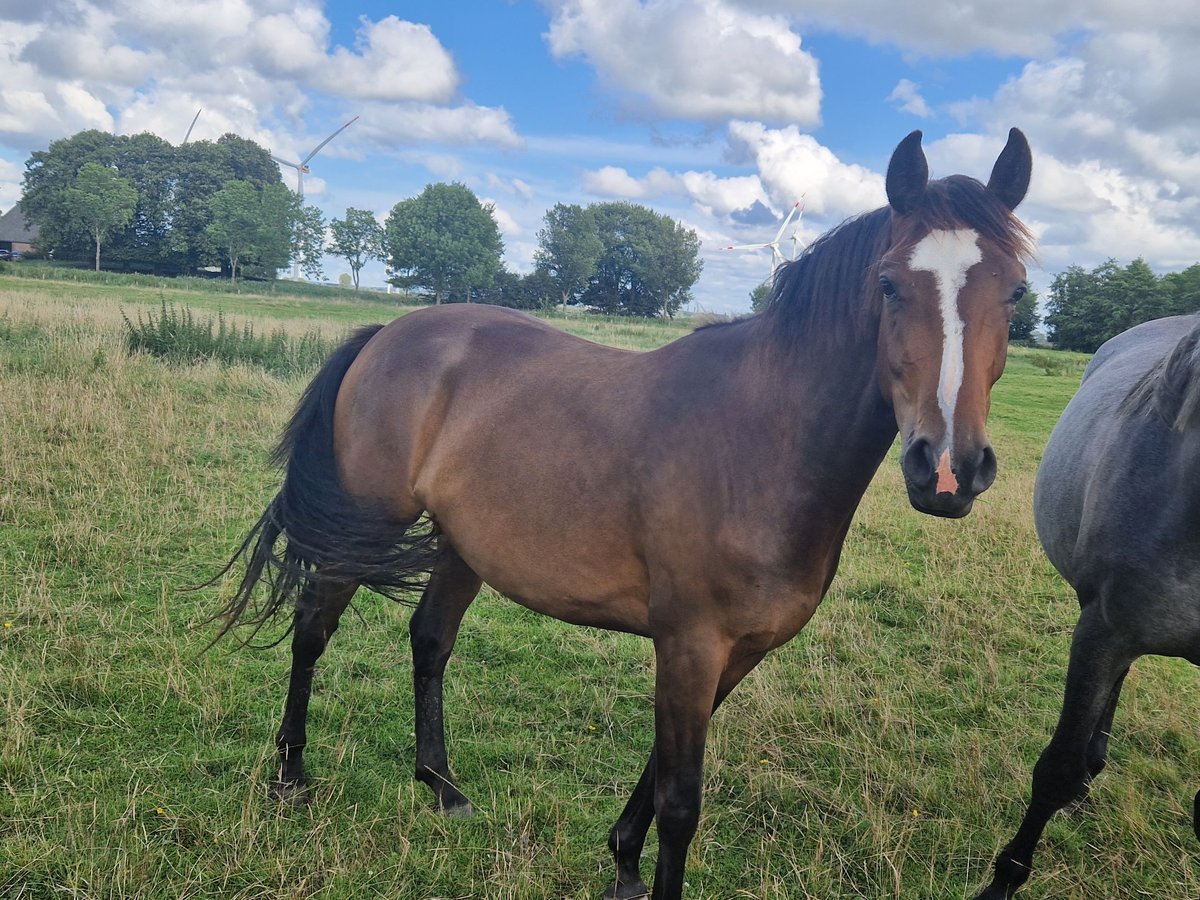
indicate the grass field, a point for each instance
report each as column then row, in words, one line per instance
column 884, row 753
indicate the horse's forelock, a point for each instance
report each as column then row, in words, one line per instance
column 959, row 201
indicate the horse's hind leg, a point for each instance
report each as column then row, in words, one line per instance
column 628, row 837
column 432, row 631
column 317, row 615
column 1062, row 771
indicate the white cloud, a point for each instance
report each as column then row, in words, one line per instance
column 507, row 223
column 1116, row 138
column 147, row 65
column 10, row 184
column 692, row 59
column 398, row 60
column 907, row 95
column 512, row 186
column 792, row 164
column 711, row 194
column 411, row 123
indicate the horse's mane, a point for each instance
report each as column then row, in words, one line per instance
column 828, row 292
column 1171, row 389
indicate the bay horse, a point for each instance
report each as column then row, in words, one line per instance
column 1117, row 507
column 697, row 494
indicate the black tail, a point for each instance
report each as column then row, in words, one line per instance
column 327, row 534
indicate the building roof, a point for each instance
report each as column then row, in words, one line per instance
column 13, row 227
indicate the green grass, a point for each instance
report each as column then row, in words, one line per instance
column 883, row 753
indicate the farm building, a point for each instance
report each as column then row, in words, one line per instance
column 15, row 235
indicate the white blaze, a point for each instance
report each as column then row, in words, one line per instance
column 948, row 255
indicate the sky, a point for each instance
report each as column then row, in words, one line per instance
column 720, row 113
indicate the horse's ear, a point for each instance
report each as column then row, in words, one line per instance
column 1010, row 175
column 907, row 175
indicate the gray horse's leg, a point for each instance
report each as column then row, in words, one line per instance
column 1097, row 752
column 1061, row 774
column 432, row 632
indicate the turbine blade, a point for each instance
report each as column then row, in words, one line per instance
column 284, row 162
column 784, row 226
column 748, row 247
column 317, row 149
column 193, row 125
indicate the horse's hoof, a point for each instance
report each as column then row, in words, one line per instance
column 462, row 810
column 636, row 890
column 292, row 793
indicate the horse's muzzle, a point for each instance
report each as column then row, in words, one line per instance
column 941, row 483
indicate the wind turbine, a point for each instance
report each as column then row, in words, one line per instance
column 302, row 166
column 302, row 169
column 777, row 258
column 193, row 125
column 796, row 230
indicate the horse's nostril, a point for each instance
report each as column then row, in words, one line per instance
column 985, row 471
column 919, row 463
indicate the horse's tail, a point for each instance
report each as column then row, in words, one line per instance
column 327, row 534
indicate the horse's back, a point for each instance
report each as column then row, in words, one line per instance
column 1103, row 489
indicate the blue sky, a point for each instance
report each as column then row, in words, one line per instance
column 720, row 113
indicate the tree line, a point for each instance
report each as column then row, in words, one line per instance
column 1086, row 308
column 138, row 203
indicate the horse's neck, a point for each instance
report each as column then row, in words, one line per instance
column 809, row 416
column 831, row 389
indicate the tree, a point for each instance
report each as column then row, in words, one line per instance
column 1085, row 309
column 1181, row 291
column 1075, row 314
column 150, row 165
column 568, row 249
column 49, row 176
column 204, row 168
column 1025, row 318
column 168, row 230
column 761, row 296
column 537, row 290
column 648, row 265
column 357, row 239
column 102, row 201
column 443, row 241
column 252, row 225
column 307, row 238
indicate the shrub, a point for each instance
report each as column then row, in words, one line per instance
column 177, row 336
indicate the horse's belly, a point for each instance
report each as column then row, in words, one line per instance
column 582, row 576
column 580, row 600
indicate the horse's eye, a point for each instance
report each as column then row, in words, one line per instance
column 1018, row 294
column 889, row 289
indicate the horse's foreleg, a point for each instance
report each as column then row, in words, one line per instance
column 1097, row 751
column 1062, row 771
column 432, row 632
column 317, row 615
column 628, row 835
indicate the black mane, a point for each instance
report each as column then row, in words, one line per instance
column 1171, row 388
column 829, row 292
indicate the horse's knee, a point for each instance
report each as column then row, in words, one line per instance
column 1060, row 777
column 677, row 808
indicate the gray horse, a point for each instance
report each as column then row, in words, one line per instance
column 1117, row 504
